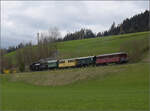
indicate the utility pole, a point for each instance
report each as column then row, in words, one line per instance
column 38, row 37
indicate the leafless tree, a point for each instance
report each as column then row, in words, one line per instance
column 47, row 46
column 2, row 53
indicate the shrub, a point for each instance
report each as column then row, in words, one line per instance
column 22, row 67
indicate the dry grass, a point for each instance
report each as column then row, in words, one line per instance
column 65, row 76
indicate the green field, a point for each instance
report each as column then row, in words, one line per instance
column 118, row 87
column 103, row 88
column 93, row 46
column 96, row 46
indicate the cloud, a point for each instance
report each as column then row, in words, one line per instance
column 21, row 20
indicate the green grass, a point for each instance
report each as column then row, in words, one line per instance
column 97, row 46
column 93, row 46
column 117, row 87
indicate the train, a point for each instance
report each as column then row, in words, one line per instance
column 45, row 64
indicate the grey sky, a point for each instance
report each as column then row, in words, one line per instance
column 21, row 20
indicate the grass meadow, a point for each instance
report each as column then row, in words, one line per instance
column 113, row 87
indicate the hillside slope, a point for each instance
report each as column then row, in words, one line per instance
column 93, row 46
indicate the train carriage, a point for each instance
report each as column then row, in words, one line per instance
column 85, row 61
column 111, row 58
column 51, row 64
column 67, row 63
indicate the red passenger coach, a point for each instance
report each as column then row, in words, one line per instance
column 120, row 57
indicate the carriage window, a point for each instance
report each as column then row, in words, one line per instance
column 62, row 62
column 70, row 60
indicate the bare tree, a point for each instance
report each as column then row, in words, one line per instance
column 47, row 43
column 54, row 34
column 20, row 57
column 2, row 53
column 46, row 48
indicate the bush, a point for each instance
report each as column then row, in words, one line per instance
column 22, row 67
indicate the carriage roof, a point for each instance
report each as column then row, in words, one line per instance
column 118, row 53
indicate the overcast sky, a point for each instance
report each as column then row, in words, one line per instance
column 21, row 20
